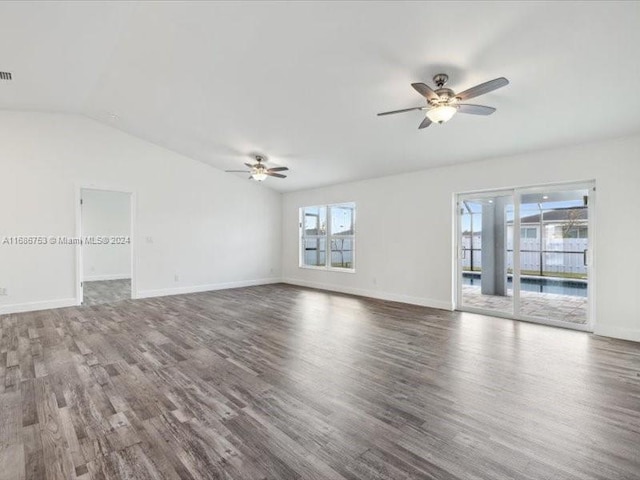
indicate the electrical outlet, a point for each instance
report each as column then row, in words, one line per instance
column 149, row 239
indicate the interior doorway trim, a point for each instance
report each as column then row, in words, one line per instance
column 132, row 232
column 589, row 326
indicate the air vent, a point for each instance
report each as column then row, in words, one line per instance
column 5, row 75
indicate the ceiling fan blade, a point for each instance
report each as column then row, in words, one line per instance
column 425, row 123
column 426, row 91
column 401, row 111
column 483, row 88
column 248, row 165
column 237, row 171
column 475, row 109
column 279, row 175
column 277, row 169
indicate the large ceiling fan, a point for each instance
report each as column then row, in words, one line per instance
column 443, row 103
column 259, row 171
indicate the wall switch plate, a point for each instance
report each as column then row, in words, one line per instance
column 4, row 291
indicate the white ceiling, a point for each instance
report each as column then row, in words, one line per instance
column 302, row 82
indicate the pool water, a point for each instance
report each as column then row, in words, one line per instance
column 537, row 284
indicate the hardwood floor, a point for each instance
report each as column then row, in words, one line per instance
column 281, row 382
column 106, row 291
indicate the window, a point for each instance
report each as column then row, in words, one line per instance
column 327, row 237
column 528, row 232
column 576, row 232
column 314, row 236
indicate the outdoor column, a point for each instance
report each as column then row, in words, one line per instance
column 494, row 273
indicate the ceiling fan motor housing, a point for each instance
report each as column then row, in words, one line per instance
column 445, row 96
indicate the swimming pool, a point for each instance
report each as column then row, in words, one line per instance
column 577, row 288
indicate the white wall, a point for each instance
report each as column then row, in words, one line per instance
column 192, row 220
column 203, row 225
column 405, row 228
column 106, row 214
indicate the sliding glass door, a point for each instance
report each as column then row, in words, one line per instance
column 525, row 253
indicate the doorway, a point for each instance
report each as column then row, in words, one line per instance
column 526, row 253
column 105, row 253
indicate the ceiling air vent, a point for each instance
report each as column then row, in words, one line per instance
column 5, row 75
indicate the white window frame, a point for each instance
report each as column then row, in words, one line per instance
column 328, row 236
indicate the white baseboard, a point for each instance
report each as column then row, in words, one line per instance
column 603, row 330
column 35, row 306
column 392, row 297
column 163, row 292
column 112, row 276
column 618, row 332
column 71, row 302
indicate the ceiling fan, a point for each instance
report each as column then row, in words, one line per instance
column 259, row 171
column 443, row 103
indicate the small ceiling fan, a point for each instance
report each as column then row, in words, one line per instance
column 443, row 103
column 259, row 171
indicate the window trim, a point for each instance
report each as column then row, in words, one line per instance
column 328, row 237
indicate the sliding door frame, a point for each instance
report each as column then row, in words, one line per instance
column 516, row 193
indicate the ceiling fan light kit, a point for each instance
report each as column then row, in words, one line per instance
column 442, row 113
column 258, row 175
column 443, row 103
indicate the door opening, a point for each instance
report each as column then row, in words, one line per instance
column 105, row 253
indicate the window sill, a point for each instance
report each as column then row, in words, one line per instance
column 328, row 269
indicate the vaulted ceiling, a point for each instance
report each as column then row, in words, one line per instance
column 302, row 82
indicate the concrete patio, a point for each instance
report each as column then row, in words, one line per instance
column 567, row 308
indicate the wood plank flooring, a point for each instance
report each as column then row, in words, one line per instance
column 280, row 382
column 106, row 291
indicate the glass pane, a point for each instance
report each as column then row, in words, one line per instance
column 314, row 251
column 487, row 263
column 342, row 220
column 553, row 272
column 315, row 220
column 342, row 252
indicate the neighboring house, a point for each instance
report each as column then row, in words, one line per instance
column 558, row 224
column 559, row 250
